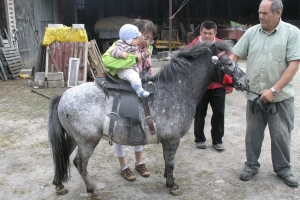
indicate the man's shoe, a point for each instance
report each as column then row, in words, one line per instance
column 201, row 145
column 142, row 169
column 127, row 174
column 219, row 147
column 246, row 175
column 290, row 180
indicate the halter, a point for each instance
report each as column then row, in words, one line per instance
column 221, row 54
column 219, row 66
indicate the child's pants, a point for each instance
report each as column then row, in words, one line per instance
column 120, row 149
column 130, row 74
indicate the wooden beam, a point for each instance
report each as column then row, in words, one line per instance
column 229, row 10
column 170, row 26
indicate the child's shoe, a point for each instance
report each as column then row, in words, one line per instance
column 140, row 91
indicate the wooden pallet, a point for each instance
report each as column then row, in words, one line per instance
column 5, row 67
column 4, row 42
column 12, row 61
column 2, row 72
column 96, row 65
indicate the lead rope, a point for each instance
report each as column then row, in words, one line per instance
column 270, row 107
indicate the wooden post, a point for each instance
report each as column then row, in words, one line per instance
column 299, row 11
column 229, row 10
column 170, row 26
column 75, row 12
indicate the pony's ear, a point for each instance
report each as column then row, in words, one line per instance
column 214, row 49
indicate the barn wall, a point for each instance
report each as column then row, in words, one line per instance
column 27, row 44
column 195, row 11
column 43, row 16
column 32, row 16
column 3, row 24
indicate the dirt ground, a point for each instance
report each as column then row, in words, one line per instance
column 26, row 168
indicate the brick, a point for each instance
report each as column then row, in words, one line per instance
column 39, row 84
column 55, row 84
column 26, row 71
column 39, row 76
column 55, row 76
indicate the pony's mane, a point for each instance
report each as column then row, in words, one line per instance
column 180, row 63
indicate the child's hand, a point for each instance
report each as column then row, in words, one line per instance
column 124, row 55
column 150, row 71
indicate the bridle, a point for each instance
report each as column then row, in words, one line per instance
column 269, row 107
column 219, row 66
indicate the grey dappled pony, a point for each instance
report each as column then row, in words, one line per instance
column 76, row 117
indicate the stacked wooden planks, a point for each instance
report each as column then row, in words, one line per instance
column 94, row 56
column 12, row 61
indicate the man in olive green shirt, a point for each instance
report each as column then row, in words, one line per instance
column 272, row 49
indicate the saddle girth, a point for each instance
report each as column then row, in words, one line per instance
column 149, row 118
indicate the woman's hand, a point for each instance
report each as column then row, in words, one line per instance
column 148, row 52
column 228, row 91
column 139, row 56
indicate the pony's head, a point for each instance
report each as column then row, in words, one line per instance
column 224, row 65
column 205, row 54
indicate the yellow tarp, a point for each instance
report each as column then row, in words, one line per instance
column 64, row 34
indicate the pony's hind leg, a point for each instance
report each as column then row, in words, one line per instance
column 59, row 187
column 81, row 160
column 169, row 150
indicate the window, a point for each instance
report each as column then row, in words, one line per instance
column 80, row 4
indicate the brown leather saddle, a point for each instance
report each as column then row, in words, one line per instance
column 124, row 95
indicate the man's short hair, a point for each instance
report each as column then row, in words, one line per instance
column 208, row 25
column 275, row 5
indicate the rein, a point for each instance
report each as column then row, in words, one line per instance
column 270, row 107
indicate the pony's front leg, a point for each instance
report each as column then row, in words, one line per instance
column 169, row 149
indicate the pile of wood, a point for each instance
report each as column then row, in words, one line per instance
column 96, row 65
column 11, row 61
column 112, row 23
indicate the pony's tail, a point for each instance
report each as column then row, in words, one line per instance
column 60, row 149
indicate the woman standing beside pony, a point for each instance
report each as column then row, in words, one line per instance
column 148, row 31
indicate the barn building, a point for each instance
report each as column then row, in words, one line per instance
column 29, row 18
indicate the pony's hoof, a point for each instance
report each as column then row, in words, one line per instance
column 177, row 192
column 96, row 196
column 62, row 191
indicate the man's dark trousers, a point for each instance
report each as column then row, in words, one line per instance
column 216, row 98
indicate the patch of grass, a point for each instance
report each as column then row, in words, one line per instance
column 7, row 140
column 25, row 104
column 1, row 182
column 19, row 192
column 203, row 174
column 43, row 145
column 158, row 185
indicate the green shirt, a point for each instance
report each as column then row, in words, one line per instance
column 113, row 64
column 268, row 56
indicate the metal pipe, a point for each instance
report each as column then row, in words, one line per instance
column 32, row 90
column 170, row 26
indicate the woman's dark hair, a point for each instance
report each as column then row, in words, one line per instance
column 146, row 26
